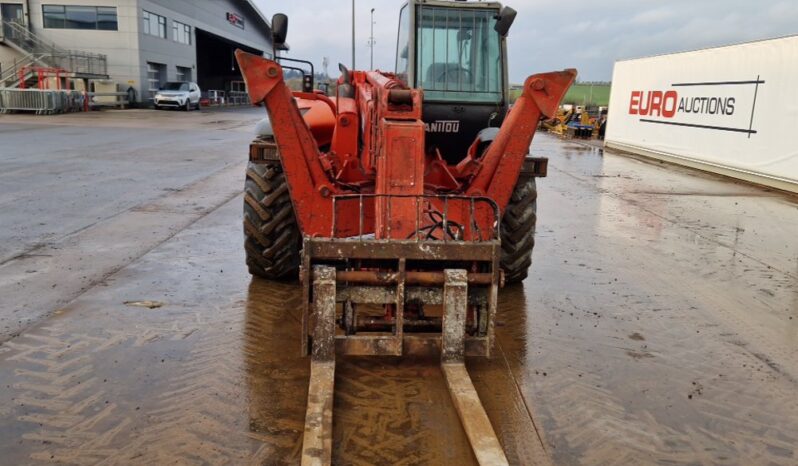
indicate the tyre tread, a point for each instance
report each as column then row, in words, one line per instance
column 271, row 234
column 518, row 230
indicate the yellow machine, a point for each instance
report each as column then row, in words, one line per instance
column 559, row 124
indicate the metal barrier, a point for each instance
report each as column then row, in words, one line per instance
column 217, row 97
column 237, row 98
column 41, row 102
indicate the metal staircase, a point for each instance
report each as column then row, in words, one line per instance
column 39, row 53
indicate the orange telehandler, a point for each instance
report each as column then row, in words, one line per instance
column 403, row 203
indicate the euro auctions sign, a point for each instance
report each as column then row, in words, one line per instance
column 731, row 110
column 712, row 105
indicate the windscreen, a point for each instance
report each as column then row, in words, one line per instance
column 458, row 55
column 175, row 87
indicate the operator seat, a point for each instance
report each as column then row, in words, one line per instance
column 439, row 74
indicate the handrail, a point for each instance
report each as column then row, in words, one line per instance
column 28, row 61
column 11, row 72
column 20, row 35
column 44, row 53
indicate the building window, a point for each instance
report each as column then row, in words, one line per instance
column 181, row 32
column 101, row 18
column 183, row 74
column 106, row 18
column 154, row 77
column 154, row 25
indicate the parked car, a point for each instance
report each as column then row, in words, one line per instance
column 182, row 95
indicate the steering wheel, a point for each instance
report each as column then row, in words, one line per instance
column 441, row 77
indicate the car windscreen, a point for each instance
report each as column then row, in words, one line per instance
column 175, row 87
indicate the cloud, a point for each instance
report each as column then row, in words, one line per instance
column 589, row 36
column 652, row 16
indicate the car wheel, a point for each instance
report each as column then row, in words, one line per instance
column 188, row 105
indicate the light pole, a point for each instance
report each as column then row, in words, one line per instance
column 353, row 34
column 371, row 41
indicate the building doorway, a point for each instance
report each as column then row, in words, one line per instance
column 156, row 76
column 217, row 68
column 12, row 12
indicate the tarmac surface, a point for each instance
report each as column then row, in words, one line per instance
column 659, row 324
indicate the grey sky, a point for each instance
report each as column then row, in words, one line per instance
column 547, row 35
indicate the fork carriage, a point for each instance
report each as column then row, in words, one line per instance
column 389, row 292
column 432, row 293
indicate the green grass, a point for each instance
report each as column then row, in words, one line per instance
column 580, row 94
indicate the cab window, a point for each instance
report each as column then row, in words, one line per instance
column 458, row 55
column 402, row 44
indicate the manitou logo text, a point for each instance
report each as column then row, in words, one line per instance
column 443, row 126
column 668, row 103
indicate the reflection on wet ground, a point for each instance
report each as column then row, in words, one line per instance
column 656, row 328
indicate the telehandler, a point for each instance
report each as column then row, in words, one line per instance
column 403, row 202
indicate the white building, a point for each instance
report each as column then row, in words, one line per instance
column 144, row 42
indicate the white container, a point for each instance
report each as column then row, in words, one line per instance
column 105, row 86
column 731, row 110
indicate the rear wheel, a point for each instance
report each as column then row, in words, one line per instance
column 518, row 230
column 271, row 234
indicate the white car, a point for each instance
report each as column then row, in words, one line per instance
column 182, row 95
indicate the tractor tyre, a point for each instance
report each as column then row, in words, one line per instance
column 518, row 230
column 271, row 235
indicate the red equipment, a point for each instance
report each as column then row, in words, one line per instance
column 377, row 155
column 42, row 73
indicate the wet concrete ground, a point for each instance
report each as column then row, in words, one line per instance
column 659, row 326
column 83, row 194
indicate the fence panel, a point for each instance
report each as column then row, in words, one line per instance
column 41, row 102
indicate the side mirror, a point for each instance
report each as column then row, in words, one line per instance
column 505, row 20
column 279, row 28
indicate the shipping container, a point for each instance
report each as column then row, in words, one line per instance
column 731, row 110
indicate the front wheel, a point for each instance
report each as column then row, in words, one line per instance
column 518, row 230
column 271, row 235
column 187, row 107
